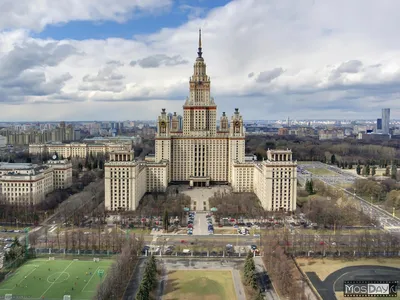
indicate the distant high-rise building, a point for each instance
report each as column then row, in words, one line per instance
column 180, row 120
column 378, row 125
column 385, row 120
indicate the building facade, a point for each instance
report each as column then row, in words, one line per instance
column 77, row 150
column 28, row 184
column 196, row 151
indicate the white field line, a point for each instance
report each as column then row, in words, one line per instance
column 56, row 279
column 90, row 278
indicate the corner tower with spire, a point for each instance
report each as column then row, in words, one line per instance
column 199, row 111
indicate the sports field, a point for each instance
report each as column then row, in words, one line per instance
column 200, row 285
column 52, row 279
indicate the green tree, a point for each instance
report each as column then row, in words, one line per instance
column 249, row 268
column 367, row 170
column 393, row 173
column 373, row 171
column 333, row 159
column 259, row 296
column 166, row 221
column 358, row 169
column 310, row 187
column 87, row 162
column 387, row 171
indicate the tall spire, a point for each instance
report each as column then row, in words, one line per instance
column 199, row 53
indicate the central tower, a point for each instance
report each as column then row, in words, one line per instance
column 199, row 110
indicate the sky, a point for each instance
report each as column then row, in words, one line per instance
column 127, row 59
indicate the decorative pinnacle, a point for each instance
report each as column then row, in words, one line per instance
column 199, row 53
column 200, row 38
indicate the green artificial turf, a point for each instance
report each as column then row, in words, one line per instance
column 52, row 279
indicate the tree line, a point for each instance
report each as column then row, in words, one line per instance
column 114, row 284
column 351, row 151
column 280, row 268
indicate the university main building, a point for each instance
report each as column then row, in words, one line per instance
column 200, row 153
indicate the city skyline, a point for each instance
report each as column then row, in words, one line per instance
column 122, row 60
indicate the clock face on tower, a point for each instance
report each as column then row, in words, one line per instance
column 237, row 123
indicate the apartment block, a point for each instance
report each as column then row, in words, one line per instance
column 28, row 184
column 76, row 150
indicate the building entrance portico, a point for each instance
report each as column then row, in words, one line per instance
column 196, row 181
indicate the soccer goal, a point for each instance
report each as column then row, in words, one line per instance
column 96, row 259
column 8, row 297
column 67, row 297
column 51, row 258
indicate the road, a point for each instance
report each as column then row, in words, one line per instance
column 390, row 223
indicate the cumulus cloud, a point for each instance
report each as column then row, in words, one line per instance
column 257, row 53
column 158, row 60
column 107, row 79
column 30, row 55
column 351, row 66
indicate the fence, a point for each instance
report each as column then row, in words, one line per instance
column 66, row 252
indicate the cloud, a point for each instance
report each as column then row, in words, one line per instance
column 158, row 60
column 258, row 53
column 35, row 15
column 351, row 66
column 30, row 55
column 268, row 76
column 107, row 79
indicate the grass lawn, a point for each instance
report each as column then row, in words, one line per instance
column 324, row 267
column 40, row 278
column 322, row 172
column 200, row 285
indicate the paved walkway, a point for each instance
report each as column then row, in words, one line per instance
column 136, row 278
column 264, row 280
column 200, row 224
